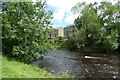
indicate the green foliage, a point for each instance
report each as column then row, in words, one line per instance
column 97, row 25
column 25, row 28
column 0, row 65
column 57, row 43
column 52, row 44
column 71, row 44
column 60, row 40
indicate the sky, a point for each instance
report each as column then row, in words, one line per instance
column 62, row 15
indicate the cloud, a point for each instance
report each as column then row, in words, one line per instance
column 67, row 4
column 70, row 18
column 58, row 15
column 61, row 8
column 62, row 4
column 62, row 14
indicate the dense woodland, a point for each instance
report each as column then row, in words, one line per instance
column 25, row 28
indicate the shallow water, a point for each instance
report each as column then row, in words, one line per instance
column 81, row 65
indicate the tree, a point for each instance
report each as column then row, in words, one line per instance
column 97, row 26
column 25, row 29
column 60, row 40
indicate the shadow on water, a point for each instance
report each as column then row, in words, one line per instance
column 81, row 65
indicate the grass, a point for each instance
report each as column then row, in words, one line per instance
column 15, row 69
column 0, row 65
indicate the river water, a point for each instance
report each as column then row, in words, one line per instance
column 81, row 65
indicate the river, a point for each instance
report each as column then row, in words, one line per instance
column 80, row 65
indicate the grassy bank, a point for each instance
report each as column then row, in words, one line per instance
column 15, row 69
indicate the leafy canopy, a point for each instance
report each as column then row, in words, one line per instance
column 97, row 26
column 25, row 28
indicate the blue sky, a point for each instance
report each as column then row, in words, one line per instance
column 59, row 17
column 62, row 11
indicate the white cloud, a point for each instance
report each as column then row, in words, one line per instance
column 64, row 6
column 67, row 4
column 70, row 18
column 58, row 15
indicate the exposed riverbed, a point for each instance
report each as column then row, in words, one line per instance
column 81, row 65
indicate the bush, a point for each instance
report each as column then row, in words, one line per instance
column 71, row 44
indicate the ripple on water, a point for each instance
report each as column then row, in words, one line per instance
column 80, row 64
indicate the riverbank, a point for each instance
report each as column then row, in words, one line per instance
column 15, row 69
column 88, row 51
